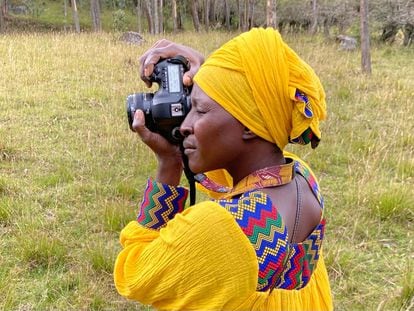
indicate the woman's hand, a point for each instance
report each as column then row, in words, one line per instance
column 169, row 156
column 163, row 49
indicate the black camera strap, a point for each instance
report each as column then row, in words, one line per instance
column 190, row 176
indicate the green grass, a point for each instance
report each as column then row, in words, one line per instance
column 71, row 171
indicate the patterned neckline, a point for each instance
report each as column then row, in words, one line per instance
column 272, row 176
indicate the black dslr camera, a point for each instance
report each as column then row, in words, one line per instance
column 165, row 109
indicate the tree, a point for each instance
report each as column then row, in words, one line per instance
column 227, row 14
column 75, row 16
column 5, row 8
column 2, row 19
column 240, row 14
column 65, row 14
column 212, row 11
column 174, row 15
column 207, row 14
column 365, row 47
column 138, row 9
column 96, row 15
column 194, row 14
column 314, row 25
column 160, row 16
column 246, row 15
column 153, row 10
column 394, row 17
column 155, row 14
column 250, row 13
column 148, row 13
column 271, row 13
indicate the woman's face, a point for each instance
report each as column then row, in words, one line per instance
column 213, row 137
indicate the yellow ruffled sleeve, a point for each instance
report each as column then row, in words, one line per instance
column 200, row 260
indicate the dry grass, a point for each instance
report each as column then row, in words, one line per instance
column 71, row 172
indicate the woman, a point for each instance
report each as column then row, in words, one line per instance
column 257, row 246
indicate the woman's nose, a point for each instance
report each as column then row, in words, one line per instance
column 186, row 129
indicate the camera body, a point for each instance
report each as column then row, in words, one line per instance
column 165, row 109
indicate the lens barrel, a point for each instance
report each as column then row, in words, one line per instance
column 141, row 101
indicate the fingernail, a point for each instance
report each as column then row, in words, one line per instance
column 138, row 117
column 146, row 72
column 187, row 80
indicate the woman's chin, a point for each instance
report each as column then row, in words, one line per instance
column 195, row 167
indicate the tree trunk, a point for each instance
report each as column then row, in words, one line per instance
column 240, row 14
column 246, row 15
column 96, row 15
column 75, row 16
column 206, row 14
column 194, row 14
column 65, row 14
column 180, row 14
column 148, row 13
column 155, row 14
column 5, row 8
column 2, row 19
column 139, row 13
column 365, row 46
column 161, row 16
column 271, row 13
column 315, row 13
column 212, row 12
column 174, row 14
column 250, row 18
column 227, row 14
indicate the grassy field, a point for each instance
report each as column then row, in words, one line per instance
column 47, row 15
column 71, row 172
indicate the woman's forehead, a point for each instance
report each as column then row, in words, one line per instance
column 199, row 96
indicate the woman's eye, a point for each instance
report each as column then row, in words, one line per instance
column 200, row 111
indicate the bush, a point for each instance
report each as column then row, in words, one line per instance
column 119, row 21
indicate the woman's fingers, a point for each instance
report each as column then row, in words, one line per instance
column 151, row 57
column 158, row 144
column 139, row 127
column 163, row 49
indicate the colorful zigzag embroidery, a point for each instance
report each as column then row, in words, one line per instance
column 160, row 204
column 262, row 224
column 281, row 264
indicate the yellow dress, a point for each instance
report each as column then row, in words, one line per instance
column 202, row 260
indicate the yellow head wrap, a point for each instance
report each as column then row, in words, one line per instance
column 255, row 77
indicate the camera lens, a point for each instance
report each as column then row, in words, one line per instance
column 140, row 101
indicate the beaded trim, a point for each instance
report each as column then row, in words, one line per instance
column 264, row 227
column 302, row 260
column 310, row 178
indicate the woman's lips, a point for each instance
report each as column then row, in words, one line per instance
column 188, row 147
column 188, row 151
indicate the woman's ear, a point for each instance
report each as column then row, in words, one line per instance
column 248, row 134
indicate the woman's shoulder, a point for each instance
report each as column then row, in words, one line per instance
column 266, row 230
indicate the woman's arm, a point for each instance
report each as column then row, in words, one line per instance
column 200, row 261
column 169, row 157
